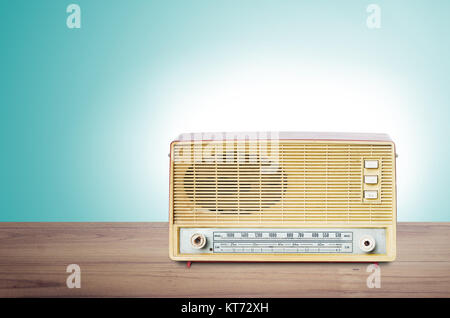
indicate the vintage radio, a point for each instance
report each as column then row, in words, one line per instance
column 325, row 197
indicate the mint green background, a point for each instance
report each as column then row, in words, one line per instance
column 83, row 122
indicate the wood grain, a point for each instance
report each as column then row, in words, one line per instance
column 131, row 260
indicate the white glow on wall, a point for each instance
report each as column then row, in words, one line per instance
column 295, row 97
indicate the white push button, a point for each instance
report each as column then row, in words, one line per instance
column 371, row 164
column 198, row 240
column 371, row 179
column 370, row 194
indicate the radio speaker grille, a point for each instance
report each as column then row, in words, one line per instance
column 298, row 183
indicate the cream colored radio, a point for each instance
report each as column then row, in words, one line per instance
column 325, row 197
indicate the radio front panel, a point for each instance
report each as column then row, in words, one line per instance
column 283, row 200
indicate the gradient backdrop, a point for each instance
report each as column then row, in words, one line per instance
column 87, row 115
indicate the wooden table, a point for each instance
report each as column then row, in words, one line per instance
column 131, row 259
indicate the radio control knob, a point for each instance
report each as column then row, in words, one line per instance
column 371, row 164
column 367, row 243
column 198, row 240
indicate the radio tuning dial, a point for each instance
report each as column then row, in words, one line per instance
column 198, row 240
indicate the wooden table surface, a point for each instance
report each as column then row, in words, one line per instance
column 131, row 259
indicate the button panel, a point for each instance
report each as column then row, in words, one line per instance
column 371, row 180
